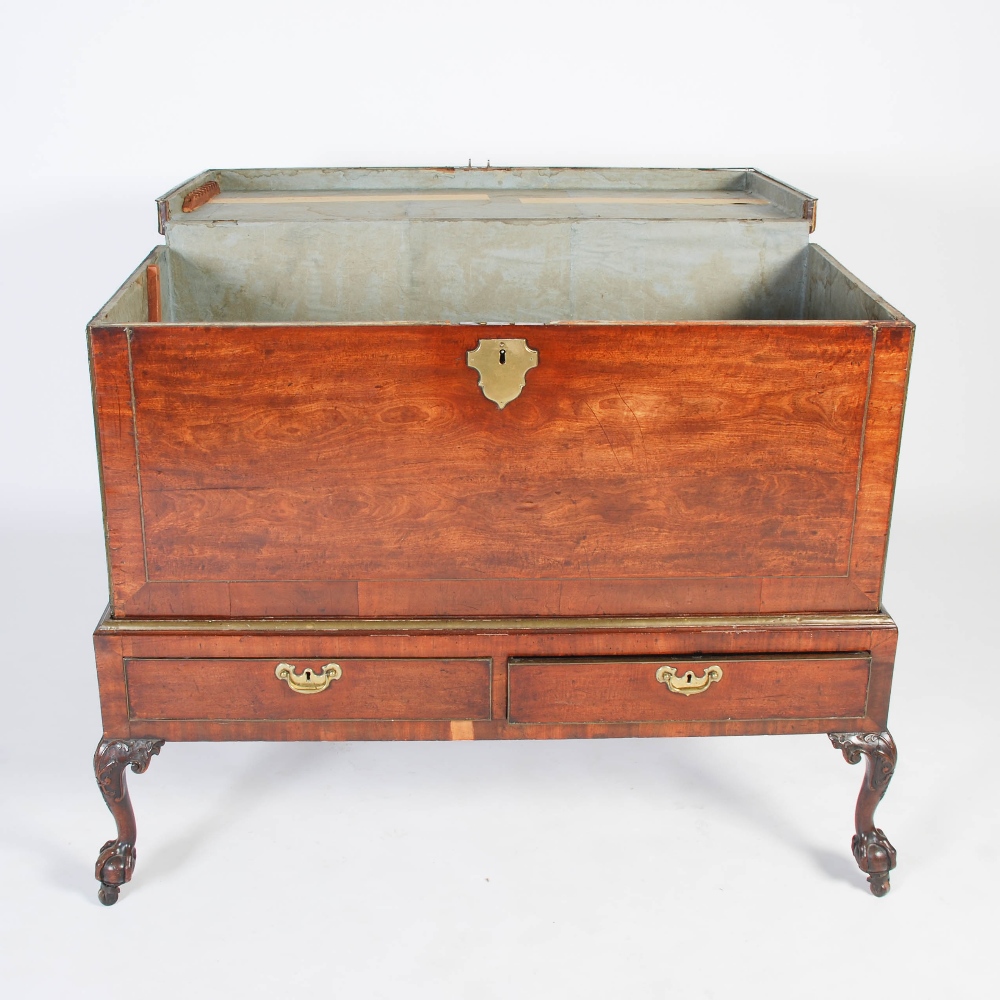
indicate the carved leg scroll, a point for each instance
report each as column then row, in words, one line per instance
column 872, row 851
column 117, row 857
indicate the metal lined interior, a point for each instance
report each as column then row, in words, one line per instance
column 402, row 245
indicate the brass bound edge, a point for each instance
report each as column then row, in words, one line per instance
column 111, row 626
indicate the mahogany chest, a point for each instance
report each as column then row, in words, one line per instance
column 405, row 454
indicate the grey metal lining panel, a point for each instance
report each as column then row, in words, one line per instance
column 487, row 271
column 833, row 292
column 130, row 303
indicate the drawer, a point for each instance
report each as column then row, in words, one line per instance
column 250, row 689
column 641, row 689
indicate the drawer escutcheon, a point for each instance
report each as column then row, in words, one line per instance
column 308, row 682
column 687, row 683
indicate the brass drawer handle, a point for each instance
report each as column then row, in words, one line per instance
column 308, row 682
column 687, row 683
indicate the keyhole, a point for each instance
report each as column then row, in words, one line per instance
column 690, row 677
column 503, row 355
column 309, row 674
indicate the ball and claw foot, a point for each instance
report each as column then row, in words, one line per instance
column 113, row 869
column 876, row 856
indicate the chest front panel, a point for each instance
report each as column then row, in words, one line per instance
column 361, row 470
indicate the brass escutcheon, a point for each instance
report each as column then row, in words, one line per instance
column 309, row 681
column 687, row 683
column 502, row 365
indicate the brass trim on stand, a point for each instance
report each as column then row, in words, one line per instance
column 263, row 626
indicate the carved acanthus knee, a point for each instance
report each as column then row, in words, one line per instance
column 117, row 857
column 872, row 851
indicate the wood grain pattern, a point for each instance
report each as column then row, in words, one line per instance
column 216, row 598
column 153, row 304
column 644, row 470
column 883, row 431
column 883, row 649
column 404, row 398
column 111, row 682
column 812, row 594
column 121, row 497
column 297, row 731
column 626, row 690
column 353, row 529
column 244, row 689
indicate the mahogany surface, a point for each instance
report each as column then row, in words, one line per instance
column 645, row 469
column 626, row 690
column 239, row 688
column 153, row 297
column 171, row 656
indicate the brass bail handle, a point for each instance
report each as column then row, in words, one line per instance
column 687, row 683
column 309, row 681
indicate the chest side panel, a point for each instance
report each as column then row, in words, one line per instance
column 361, row 470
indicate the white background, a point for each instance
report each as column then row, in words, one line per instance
column 703, row 868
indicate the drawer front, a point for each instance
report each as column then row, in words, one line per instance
column 250, row 689
column 688, row 689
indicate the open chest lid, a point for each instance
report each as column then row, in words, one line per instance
column 507, row 194
column 490, row 245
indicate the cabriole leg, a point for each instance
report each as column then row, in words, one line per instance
column 117, row 857
column 872, row 851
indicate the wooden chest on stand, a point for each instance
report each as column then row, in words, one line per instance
column 402, row 454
